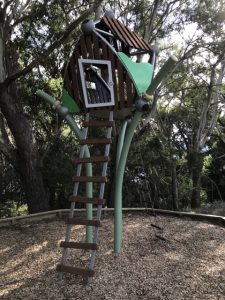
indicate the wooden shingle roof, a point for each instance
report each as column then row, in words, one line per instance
column 124, row 34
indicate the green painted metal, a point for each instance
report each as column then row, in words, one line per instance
column 89, row 207
column 120, row 142
column 118, row 199
column 141, row 73
column 119, row 180
column 162, row 74
column 79, row 134
column 69, row 102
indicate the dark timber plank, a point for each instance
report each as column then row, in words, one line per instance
column 96, row 47
column 67, row 84
column 147, row 46
column 83, row 47
column 129, row 89
column 73, row 270
column 89, row 45
column 104, row 47
column 97, row 179
column 120, row 84
column 86, row 200
column 95, row 141
column 76, row 245
column 73, row 67
column 127, row 35
column 111, row 25
column 114, row 69
column 92, row 159
column 72, row 221
column 98, row 123
column 140, row 41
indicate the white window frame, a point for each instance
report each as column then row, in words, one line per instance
column 81, row 62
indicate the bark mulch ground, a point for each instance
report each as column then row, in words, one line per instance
column 185, row 261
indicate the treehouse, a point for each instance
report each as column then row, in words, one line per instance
column 104, row 73
column 105, row 78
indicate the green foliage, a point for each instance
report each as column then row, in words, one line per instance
column 184, row 192
column 172, row 140
column 214, row 172
column 11, row 209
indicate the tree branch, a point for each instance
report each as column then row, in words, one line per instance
column 8, row 152
column 25, row 6
column 18, row 11
column 42, row 56
column 7, row 3
column 26, row 17
column 13, row 10
column 3, row 130
column 214, row 101
column 164, row 16
column 149, row 27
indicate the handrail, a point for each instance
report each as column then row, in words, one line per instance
column 219, row 220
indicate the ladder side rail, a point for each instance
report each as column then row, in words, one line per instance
column 101, row 195
column 65, row 251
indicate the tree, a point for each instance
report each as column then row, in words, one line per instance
column 27, row 39
column 35, row 39
column 196, row 85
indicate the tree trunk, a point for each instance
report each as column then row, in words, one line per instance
column 174, row 187
column 27, row 161
column 112, row 185
column 31, row 177
column 196, row 187
column 196, row 164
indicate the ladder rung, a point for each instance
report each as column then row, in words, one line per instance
column 98, row 123
column 93, row 159
column 73, row 221
column 103, row 160
column 73, row 270
column 75, row 245
column 80, row 199
column 95, row 141
column 90, row 179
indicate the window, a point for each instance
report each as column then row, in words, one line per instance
column 97, row 83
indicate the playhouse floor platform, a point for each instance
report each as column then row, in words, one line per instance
column 188, row 263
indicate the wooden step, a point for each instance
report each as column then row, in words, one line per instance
column 90, row 179
column 73, row 270
column 93, row 159
column 74, row 221
column 95, row 141
column 75, row 245
column 98, row 123
column 80, row 199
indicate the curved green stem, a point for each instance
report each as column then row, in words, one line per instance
column 120, row 142
column 79, row 134
column 119, row 180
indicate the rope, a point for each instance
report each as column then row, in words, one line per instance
column 155, row 226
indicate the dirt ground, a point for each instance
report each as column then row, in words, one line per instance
column 185, row 261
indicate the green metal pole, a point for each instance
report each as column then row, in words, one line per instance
column 122, row 157
column 162, row 74
column 118, row 200
column 79, row 134
column 119, row 181
column 89, row 185
column 120, row 142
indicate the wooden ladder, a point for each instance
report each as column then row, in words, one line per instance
column 63, row 267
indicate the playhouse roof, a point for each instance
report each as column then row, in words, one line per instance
column 123, row 33
column 111, row 42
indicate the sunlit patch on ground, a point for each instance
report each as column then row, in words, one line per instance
column 188, row 263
